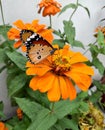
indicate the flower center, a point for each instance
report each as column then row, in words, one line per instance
column 61, row 63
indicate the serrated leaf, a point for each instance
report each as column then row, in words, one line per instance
column 68, row 124
column 30, row 108
column 78, row 44
column 69, row 31
column 100, row 39
column 98, row 64
column 17, row 58
column 39, row 97
column 87, row 10
column 59, row 42
column 16, row 84
column 44, row 120
column 62, row 108
column 69, row 6
column 95, row 96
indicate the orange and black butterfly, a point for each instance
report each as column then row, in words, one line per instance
column 37, row 47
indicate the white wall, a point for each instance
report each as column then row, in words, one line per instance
column 27, row 11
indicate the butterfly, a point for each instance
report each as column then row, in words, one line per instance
column 37, row 47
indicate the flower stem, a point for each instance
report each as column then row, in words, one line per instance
column 74, row 10
column 89, row 48
column 52, row 107
column 1, row 8
column 50, row 21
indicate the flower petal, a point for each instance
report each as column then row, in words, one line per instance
column 82, row 80
column 19, row 24
column 63, row 87
column 39, row 70
column 54, row 93
column 13, row 34
column 33, row 83
column 81, row 68
column 17, row 44
column 46, row 82
column 23, row 47
column 78, row 57
column 71, row 89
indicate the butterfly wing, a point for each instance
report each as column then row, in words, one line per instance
column 24, row 34
column 38, row 49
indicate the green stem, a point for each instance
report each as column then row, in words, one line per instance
column 50, row 21
column 1, row 8
column 52, row 108
column 4, row 67
column 74, row 10
column 89, row 48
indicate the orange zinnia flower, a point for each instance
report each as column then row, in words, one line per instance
column 99, row 28
column 50, row 7
column 56, row 74
column 2, row 126
column 35, row 27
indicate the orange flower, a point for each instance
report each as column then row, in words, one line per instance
column 57, row 74
column 50, row 7
column 34, row 27
column 99, row 28
column 2, row 126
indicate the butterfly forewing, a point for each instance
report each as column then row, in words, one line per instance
column 38, row 50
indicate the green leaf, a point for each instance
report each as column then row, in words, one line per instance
column 16, row 84
column 59, row 42
column 82, row 95
column 2, row 56
column 100, row 39
column 30, row 108
column 44, row 120
column 84, row 106
column 39, row 97
column 4, row 30
column 87, row 10
column 62, row 108
column 2, row 115
column 69, row 31
column 17, row 58
column 78, row 44
column 98, row 64
column 68, row 124
column 69, row 6
column 95, row 96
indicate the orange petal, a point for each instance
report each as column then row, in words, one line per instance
column 81, row 68
column 46, row 82
column 78, row 57
column 23, row 47
column 54, row 93
column 63, row 87
column 13, row 34
column 47, row 35
column 39, row 70
column 29, row 64
column 17, row 44
column 33, row 83
column 19, row 24
column 82, row 80
column 71, row 89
